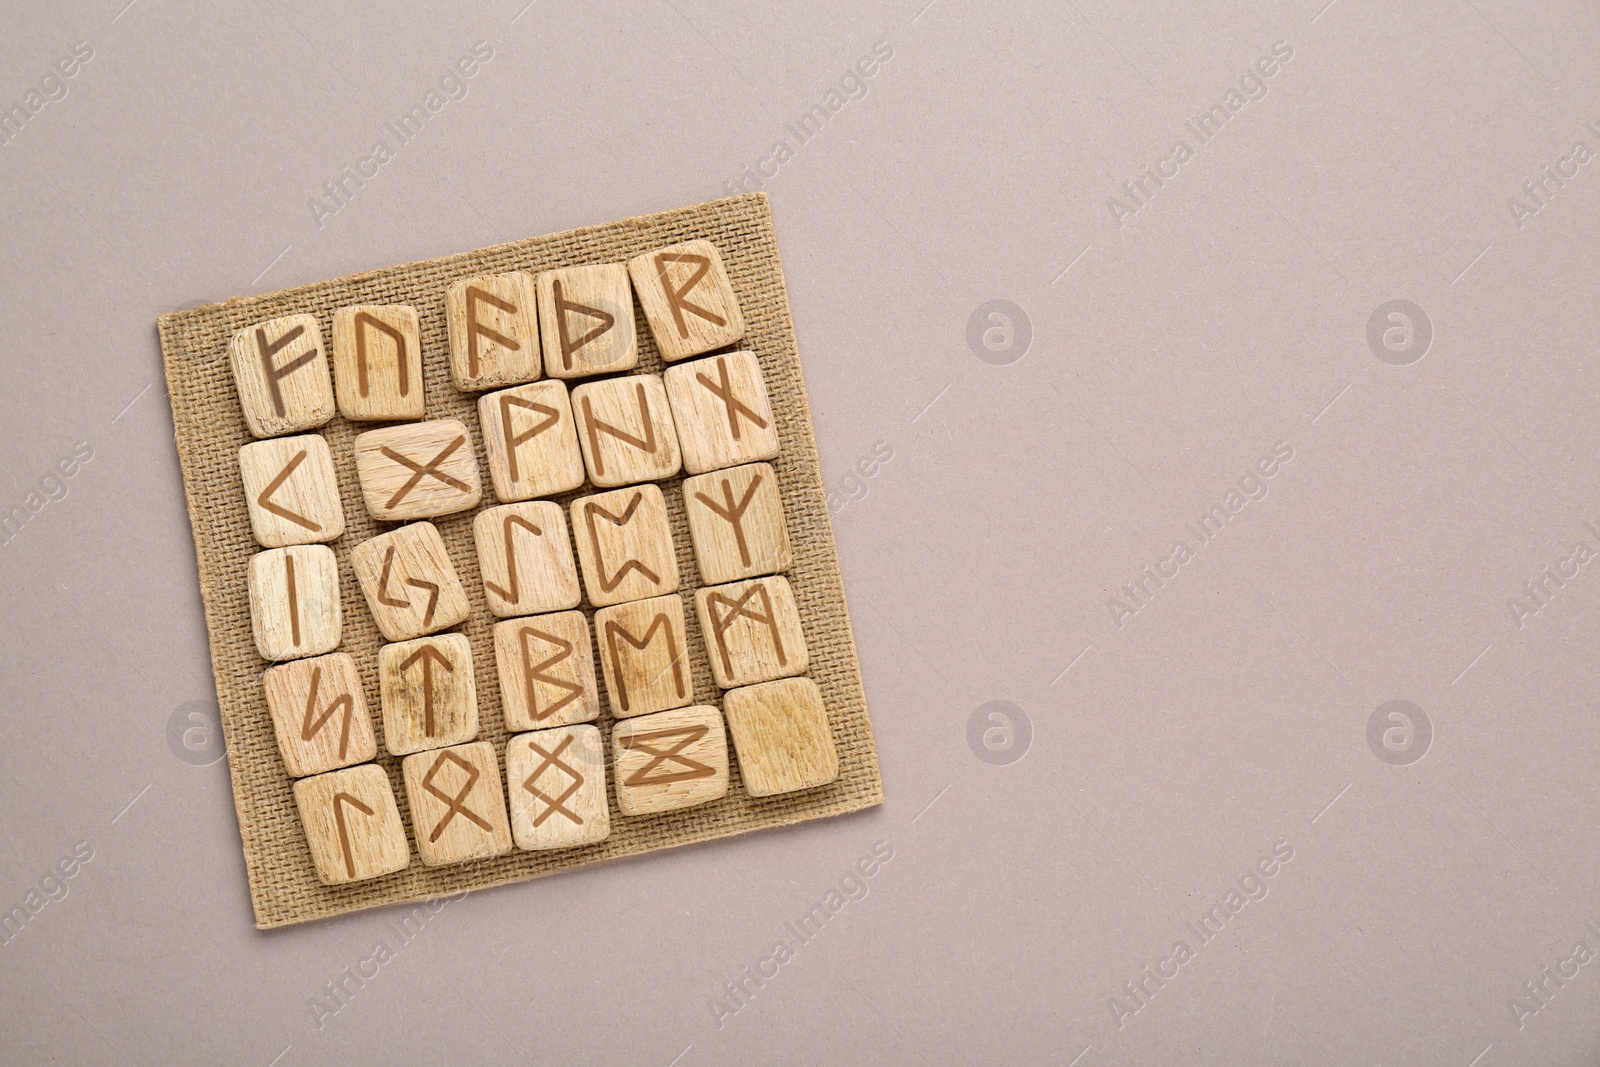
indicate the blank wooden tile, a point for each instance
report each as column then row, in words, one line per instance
column 720, row 410
column 625, row 428
column 687, row 299
column 291, row 491
column 319, row 713
column 377, row 362
column 669, row 760
column 546, row 668
column 418, row 471
column 429, row 693
column 586, row 320
column 525, row 557
column 752, row 631
column 409, row 582
column 625, row 545
column 644, row 655
column 531, row 441
column 352, row 824
column 294, row 601
column 281, row 371
column 781, row 735
column 736, row 523
column 556, row 783
column 457, row 807
column 494, row 331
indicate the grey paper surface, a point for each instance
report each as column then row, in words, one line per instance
column 1001, row 484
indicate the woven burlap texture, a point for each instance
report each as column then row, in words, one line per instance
column 210, row 430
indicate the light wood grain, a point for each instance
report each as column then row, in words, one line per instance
column 352, row 824
column 418, row 471
column 319, row 714
column 291, row 491
column 531, row 441
column 644, row 655
column 493, row 321
column 736, row 523
column 294, row 601
column 625, row 545
column 752, row 631
column 281, row 372
column 556, row 786
column 720, row 409
column 586, row 320
column 669, row 760
column 377, row 362
column 409, row 582
column 687, row 299
column 525, row 557
column 781, row 735
column 458, row 809
column 545, row 665
column 625, row 429
column 429, row 693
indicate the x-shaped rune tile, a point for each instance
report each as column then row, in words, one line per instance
column 456, row 803
column 549, row 760
column 424, row 470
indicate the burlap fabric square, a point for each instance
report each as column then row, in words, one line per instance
column 210, row 430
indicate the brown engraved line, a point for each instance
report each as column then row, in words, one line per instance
column 383, row 583
column 692, row 768
column 277, row 374
column 429, row 656
column 476, row 329
column 734, row 513
column 515, row 594
column 456, row 803
column 735, row 407
column 363, row 319
column 433, row 598
column 532, row 672
column 647, row 443
column 344, row 831
column 676, row 298
column 265, row 499
column 421, row 471
column 590, row 510
column 569, row 346
column 720, row 623
column 294, row 599
column 513, row 439
column 310, row 727
column 549, row 760
column 615, row 629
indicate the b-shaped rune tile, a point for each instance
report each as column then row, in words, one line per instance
column 319, row 714
column 625, row 428
column 644, row 655
column 377, row 362
column 494, row 331
column 736, row 523
column 409, row 582
column 294, row 601
column 429, row 693
column 586, row 320
column 457, row 807
column 525, row 557
column 687, row 299
column 625, row 545
column 291, row 491
column 546, row 668
column 669, row 760
column 352, row 824
column 531, row 441
column 752, row 631
column 720, row 409
column 281, row 371
column 418, row 471
column 556, row 783
column 781, row 736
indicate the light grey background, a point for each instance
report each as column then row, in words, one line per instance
column 1170, row 748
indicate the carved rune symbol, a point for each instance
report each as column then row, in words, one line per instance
column 677, row 298
column 429, row 656
column 734, row 513
column 568, row 344
column 344, row 831
column 649, row 744
column 514, row 439
column 476, row 329
column 265, row 499
column 425, row 470
column 615, row 630
column 362, row 321
column 734, row 406
column 294, row 598
column 535, row 672
column 548, row 761
column 314, row 721
column 275, row 375
column 720, row 622
column 418, row 583
column 456, row 804
column 647, row 443
column 590, row 510
column 514, row 594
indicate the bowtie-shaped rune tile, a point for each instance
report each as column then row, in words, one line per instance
column 291, row 491
column 352, row 824
column 409, row 582
column 494, row 331
column 556, row 783
column 458, row 810
column 625, row 428
column 319, row 713
column 531, row 441
column 644, row 654
column 586, row 320
column 687, row 299
column 625, row 545
column 429, row 693
column 418, row 471
column 294, row 601
column 736, row 523
column 669, row 760
column 720, row 409
column 752, row 631
column 546, row 669
column 525, row 557
column 377, row 362
column 281, row 371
